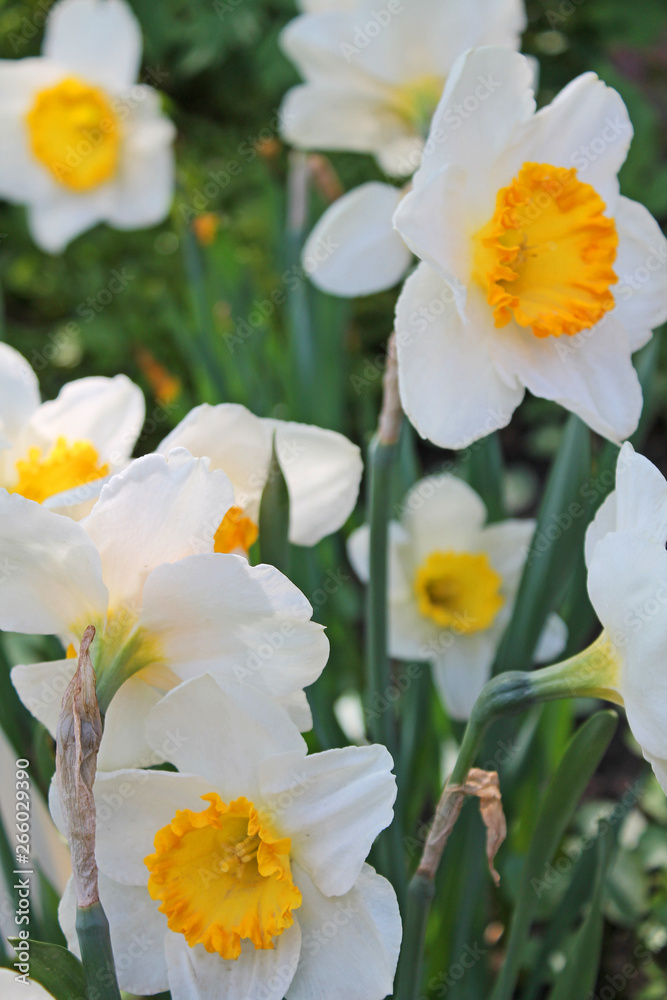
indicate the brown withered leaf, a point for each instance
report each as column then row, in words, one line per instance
column 78, row 736
column 484, row 786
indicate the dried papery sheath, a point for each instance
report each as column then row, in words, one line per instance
column 78, row 738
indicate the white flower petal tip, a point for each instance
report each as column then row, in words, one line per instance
column 119, row 169
column 316, row 815
column 627, row 584
column 480, row 322
column 373, row 78
column 452, row 585
column 322, row 468
column 354, row 250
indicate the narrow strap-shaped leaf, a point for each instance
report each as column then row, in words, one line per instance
column 56, row 968
column 482, row 466
column 579, row 762
column 274, row 512
column 558, row 538
column 562, row 921
column 577, row 980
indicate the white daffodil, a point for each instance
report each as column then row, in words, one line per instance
column 243, row 876
column 537, row 274
column 58, row 453
column 80, row 141
column 354, row 248
column 13, row 985
column 627, row 584
column 322, row 470
column 141, row 569
column 452, row 585
column 374, row 73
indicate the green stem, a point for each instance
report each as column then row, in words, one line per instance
column 592, row 673
column 381, row 724
column 205, row 328
column 92, row 928
column 381, row 721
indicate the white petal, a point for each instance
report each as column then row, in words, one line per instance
column 350, row 943
column 506, row 545
column 143, row 190
column 14, row 989
column 332, row 805
column 444, row 195
column 133, row 805
column 246, row 622
column 323, row 470
column 442, row 513
column 552, row 641
column 256, row 974
column 590, row 374
column 641, row 266
column 50, row 572
column 586, row 126
column 235, row 440
column 157, row 511
column 19, row 392
column 400, row 559
column 97, row 39
column 488, row 93
column 353, row 249
column 138, row 932
column 124, row 741
column 109, row 412
column 627, row 584
column 54, row 223
column 412, row 636
column 603, row 522
column 322, row 117
column 450, row 388
column 228, row 729
column 41, row 687
column 641, row 495
column 461, row 671
column 659, row 766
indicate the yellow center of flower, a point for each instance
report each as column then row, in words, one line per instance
column 222, row 877
column 235, row 532
column 75, row 133
column 545, row 257
column 65, row 467
column 416, row 100
column 459, row 590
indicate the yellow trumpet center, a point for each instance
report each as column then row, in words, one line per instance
column 545, row 257
column 222, row 877
column 65, row 467
column 75, row 133
column 416, row 100
column 459, row 590
column 235, row 532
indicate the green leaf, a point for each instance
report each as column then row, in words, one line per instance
column 577, row 980
column 579, row 762
column 558, row 539
column 274, row 511
column 482, row 467
column 57, row 969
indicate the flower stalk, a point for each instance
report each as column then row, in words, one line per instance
column 382, row 729
column 593, row 673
